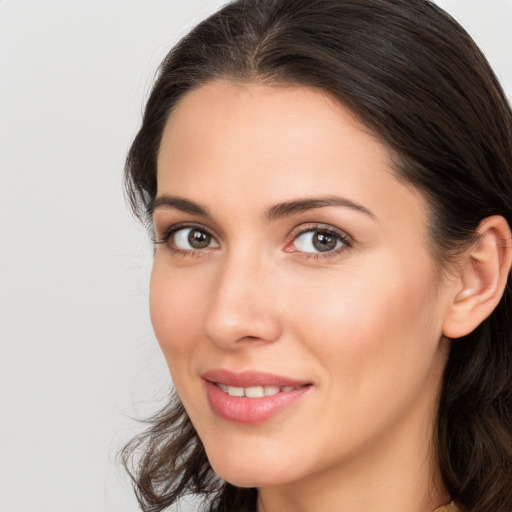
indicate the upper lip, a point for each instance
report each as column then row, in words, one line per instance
column 250, row 378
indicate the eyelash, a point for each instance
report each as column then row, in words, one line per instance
column 345, row 239
column 165, row 238
column 341, row 236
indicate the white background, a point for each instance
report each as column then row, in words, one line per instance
column 77, row 354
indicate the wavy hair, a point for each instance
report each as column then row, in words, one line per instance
column 417, row 80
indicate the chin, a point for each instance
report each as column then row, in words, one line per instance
column 246, row 468
column 245, row 481
column 247, row 478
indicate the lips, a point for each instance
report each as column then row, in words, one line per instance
column 251, row 397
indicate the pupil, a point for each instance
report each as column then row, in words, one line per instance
column 324, row 242
column 198, row 239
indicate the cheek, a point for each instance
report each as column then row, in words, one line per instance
column 371, row 329
column 375, row 339
column 175, row 307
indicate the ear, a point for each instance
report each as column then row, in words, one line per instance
column 481, row 278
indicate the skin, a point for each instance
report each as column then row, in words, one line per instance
column 362, row 323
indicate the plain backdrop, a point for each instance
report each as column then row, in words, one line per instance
column 78, row 359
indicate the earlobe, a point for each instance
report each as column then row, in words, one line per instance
column 481, row 279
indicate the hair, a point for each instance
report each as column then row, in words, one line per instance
column 417, row 80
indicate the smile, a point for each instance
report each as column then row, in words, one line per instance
column 251, row 397
column 255, row 391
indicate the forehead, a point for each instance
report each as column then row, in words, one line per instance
column 250, row 143
column 270, row 125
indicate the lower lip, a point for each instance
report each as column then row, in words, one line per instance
column 251, row 411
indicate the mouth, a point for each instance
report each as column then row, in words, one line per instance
column 255, row 391
column 251, row 397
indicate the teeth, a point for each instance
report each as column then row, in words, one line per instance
column 271, row 390
column 234, row 391
column 254, row 391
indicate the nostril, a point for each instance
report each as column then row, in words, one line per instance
column 228, row 324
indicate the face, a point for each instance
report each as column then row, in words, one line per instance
column 293, row 294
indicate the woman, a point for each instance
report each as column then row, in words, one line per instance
column 328, row 185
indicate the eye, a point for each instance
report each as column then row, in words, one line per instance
column 319, row 241
column 191, row 239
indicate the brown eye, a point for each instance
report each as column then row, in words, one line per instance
column 199, row 239
column 191, row 239
column 318, row 241
column 324, row 242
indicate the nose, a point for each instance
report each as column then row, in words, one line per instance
column 243, row 308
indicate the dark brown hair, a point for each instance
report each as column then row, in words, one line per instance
column 418, row 81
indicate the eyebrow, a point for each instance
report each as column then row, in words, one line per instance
column 288, row 208
column 177, row 203
column 275, row 212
